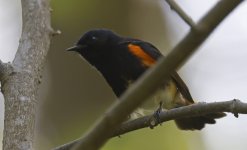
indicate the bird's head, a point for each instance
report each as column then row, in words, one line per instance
column 95, row 43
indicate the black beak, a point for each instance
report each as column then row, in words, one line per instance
column 76, row 48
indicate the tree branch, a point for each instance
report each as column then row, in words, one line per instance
column 143, row 88
column 5, row 70
column 181, row 13
column 20, row 86
column 233, row 106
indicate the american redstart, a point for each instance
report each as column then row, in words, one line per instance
column 123, row 60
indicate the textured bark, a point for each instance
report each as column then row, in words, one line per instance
column 20, row 79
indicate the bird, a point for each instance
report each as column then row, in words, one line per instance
column 122, row 60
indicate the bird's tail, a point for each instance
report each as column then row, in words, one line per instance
column 197, row 123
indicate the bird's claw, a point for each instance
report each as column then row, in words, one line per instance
column 155, row 118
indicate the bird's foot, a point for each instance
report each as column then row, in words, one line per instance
column 155, row 118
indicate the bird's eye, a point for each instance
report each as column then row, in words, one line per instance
column 94, row 38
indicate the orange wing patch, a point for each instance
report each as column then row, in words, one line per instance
column 142, row 55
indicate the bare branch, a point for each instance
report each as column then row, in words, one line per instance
column 232, row 106
column 5, row 70
column 56, row 32
column 135, row 95
column 181, row 13
column 198, row 109
column 20, row 87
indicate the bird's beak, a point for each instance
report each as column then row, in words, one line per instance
column 76, row 48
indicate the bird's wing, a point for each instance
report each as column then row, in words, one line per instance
column 148, row 48
column 184, row 90
column 156, row 54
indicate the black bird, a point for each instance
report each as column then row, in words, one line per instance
column 123, row 60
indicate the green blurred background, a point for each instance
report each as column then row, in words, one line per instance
column 73, row 94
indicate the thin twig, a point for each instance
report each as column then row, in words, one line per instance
column 5, row 70
column 137, row 93
column 232, row 106
column 181, row 13
column 2, row 69
column 199, row 109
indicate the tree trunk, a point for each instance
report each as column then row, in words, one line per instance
column 20, row 80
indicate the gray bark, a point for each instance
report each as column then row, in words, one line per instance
column 21, row 78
